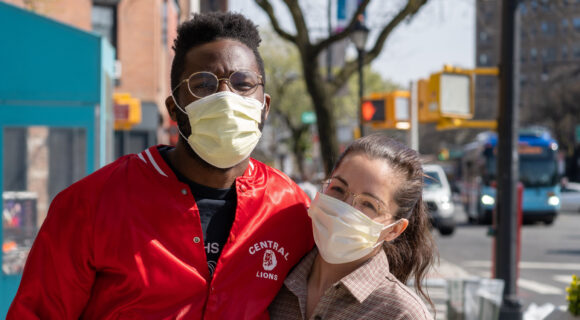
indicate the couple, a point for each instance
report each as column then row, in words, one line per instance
column 202, row 231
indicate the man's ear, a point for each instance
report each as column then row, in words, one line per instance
column 393, row 232
column 171, row 108
column 267, row 105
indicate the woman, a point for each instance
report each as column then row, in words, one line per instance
column 372, row 201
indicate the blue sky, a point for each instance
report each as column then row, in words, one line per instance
column 443, row 32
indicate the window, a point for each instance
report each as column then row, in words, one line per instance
column 104, row 22
column 534, row 5
column 548, row 28
column 483, row 60
column 549, row 54
column 564, row 52
column 545, row 5
column 576, row 51
column 164, row 24
column 533, row 54
column 523, row 8
column 564, row 25
column 576, row 23
column 483, row 36
column 523, row 57
column 544, row 26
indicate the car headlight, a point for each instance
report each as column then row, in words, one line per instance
column 553, row 201
column 487, row 200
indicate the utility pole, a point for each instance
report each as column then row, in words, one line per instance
column 329, row 49
column 507, row 162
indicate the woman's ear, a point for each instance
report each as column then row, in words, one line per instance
column 393, row 232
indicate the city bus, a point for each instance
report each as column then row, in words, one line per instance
column 538, row 172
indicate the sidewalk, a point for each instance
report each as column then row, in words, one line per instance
column 435, row 284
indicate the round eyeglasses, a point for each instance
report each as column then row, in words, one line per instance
column 365, row 203
column 204, row 83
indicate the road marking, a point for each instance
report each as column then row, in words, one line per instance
column 437, row 294
column 539, row 287
column 564, row 278
column 527, row 265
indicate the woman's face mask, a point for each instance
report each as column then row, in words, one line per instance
column 342, row 233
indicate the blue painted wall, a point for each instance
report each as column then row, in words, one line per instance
column 52, row 74
column 45, row 60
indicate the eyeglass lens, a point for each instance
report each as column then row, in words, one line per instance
column 367, row 204
column 203, row 84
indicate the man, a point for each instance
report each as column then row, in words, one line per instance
column 195, row 231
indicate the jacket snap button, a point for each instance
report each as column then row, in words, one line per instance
column 196, row 239
column 183, row 192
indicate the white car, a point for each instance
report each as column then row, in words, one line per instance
column 570, row 197
column 437, row 198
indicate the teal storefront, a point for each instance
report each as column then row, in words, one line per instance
column 56, row 124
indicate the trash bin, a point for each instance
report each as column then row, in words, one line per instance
column 474, row 298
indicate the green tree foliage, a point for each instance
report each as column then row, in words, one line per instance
column 284, row 82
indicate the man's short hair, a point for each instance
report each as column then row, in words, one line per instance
column 208, row 27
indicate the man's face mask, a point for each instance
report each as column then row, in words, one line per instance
column 224, row 127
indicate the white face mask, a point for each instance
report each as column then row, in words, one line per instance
column 224, row 127
column 341, row 232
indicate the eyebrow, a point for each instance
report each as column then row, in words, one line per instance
column 341, row 179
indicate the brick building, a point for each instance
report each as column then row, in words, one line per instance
column 142, row 33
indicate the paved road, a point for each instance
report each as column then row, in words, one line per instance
column 550, row 255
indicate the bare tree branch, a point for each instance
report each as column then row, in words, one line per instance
column 349, row 68
column 267, row 7
column 342, row 34
column 303, row 40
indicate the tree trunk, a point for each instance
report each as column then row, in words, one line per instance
column 322, row 102
column 298, row 148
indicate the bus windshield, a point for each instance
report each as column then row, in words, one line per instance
column 534, row 172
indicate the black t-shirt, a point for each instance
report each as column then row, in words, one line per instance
column 217, row 210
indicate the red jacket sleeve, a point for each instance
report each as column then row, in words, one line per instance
column 58, row 275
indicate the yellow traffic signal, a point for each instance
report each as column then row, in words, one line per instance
column 387, row 110
column 127, row 111
column 451, row 92
column 428, row 109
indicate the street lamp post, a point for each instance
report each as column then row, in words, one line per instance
column 359, row 37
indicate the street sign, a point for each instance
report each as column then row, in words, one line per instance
column 308, row 117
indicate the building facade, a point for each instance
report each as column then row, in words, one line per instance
column 142, row 33
column 548, row 58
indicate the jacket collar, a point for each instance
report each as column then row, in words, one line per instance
column 153, row 158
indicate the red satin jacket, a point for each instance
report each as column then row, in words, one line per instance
column 126, row 243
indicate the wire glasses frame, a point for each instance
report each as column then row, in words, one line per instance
column 367, row 204
column 204, row 83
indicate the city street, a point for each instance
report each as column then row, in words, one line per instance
column 550, row 255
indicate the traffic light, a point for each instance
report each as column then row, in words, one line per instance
column 127, row 111
column 373, row 110
column 427, row 105
column 387, row 110
column 447, row 94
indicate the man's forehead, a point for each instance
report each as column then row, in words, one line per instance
column 220, row 56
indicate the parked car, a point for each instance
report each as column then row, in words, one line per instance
column 570, row 197
column 438, row 199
